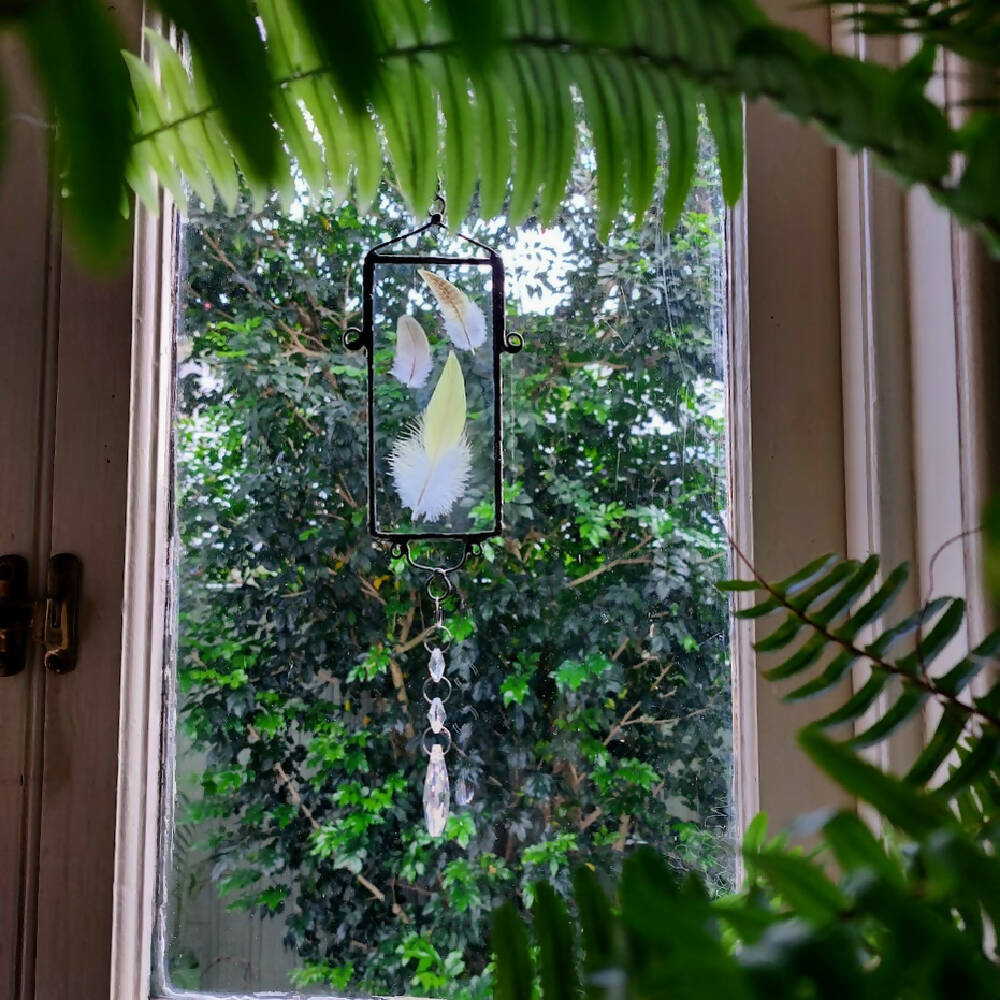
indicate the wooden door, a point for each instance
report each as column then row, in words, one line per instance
column 29, row 252
column 65, row 347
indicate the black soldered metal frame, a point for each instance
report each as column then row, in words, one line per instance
column 363, row 338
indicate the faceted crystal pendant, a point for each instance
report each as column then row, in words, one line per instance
column 465, row 791
column 435, row 715
column 436, row 793
column 436, row 666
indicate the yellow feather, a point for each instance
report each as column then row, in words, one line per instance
column 444, row 418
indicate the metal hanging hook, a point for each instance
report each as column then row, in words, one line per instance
column 437, row 214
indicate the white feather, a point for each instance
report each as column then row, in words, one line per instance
column 412, row 364
column 430, row 465
column 463, row 319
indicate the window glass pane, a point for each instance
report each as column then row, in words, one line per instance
column 591, row 707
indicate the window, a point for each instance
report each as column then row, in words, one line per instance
column 591, row 699
column 815, row 246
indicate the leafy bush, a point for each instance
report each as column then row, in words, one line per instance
column 592, row 706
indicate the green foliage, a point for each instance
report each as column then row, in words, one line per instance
column 907, row 914
column 483, row 92
column 591, row 707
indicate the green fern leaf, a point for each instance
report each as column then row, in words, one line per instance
column 939, row 747
column 916, row 814
column 602, row 104
column 832, row 675
column 858, row 703
column 562, row 140
column 982, row 756
column 513, row 959
column 557, row 967
column 678, row 104
column 460, row 151
column 725, row 115
column 906, row 707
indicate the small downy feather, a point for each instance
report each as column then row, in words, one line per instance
column 412, row 364
column 463, row 319
column 430, row 466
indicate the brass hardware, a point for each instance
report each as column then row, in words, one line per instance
column 58, row 612
column 62, row 600
column 15, row 614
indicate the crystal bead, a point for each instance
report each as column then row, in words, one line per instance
column 436, row 793
column 436, row 666
column 435, row 715
column 465, row 791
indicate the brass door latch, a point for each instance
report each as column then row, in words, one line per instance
column 52, row 620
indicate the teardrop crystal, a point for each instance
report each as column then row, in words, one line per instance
column 436, row 715
column 436, row 793
column 465, row 791
column 436, row 666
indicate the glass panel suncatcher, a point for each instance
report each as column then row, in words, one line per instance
column 435, row 418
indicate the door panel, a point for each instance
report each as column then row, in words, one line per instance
column 26, row 356
column 75, row 891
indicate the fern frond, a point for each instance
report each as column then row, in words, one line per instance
column 822, row 601
column 506, row 107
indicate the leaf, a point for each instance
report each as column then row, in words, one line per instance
column 494, row 137
column 597, row 924
column 915, row 814
column 906, row 706
column 756, row 832
column 509, row 941
column 529, row 101
column 240, row 84
column 476, row 27
column 601, row 102
column 877, row 605
column 764, row 607
column 557, row 966
column 855, row 846
column 803, row 658
column 678, row 103
column 931, row 644
column 832, row 674
column 643, row 145
column 192, row 149
column 858, row 582
column 803, row 887
column 802, row 598
column 284, row 51
column 806, row 575
column 941, row 744
column 159, row 152
column 561, row 141
column 345, row 35
column 881, row 646
column 981, row 758
column 956, row 680
column 725, row 115
column 781, row 636
column 859, row 702
column 75, row 53
column 460, row 149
